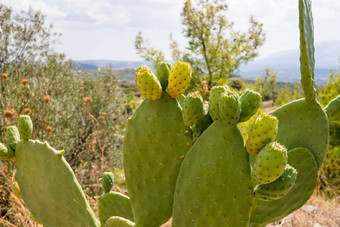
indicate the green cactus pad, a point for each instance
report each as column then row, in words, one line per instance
column 262, row 132
column 279, row 188
column 307, row 62
column 303, row 124
column 49, row 187
column 179, row 79
column 269, row 164
column 114, row 204
column 118, row 222
column 148, row 83
column 250, row 103
column 333, row 110
column 16, row 190
column 155, row 144
column 214, row 101
column 25, row 127
column 230, row 108
column 192, row 109
column 12, row 136
column 203, row 123
column 107, row 181
column 303, row 161
column 214, row 186
column 6, row 153
column 162, row 73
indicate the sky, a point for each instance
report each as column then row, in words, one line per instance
column 106, row 29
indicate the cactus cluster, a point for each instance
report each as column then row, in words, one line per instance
column 187, row 159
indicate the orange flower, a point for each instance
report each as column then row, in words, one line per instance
column 24, row 81
column 9, row 113
column 113, row 129
column 104, row 114
column 37, row 110
column 46, row 98
column 87, row 100
column 81, row 88
column 124, row 101
column 27, row 111
column 4, row 76
column 48, row 130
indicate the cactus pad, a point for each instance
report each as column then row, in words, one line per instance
column 230, row 108
column 155, row 143
column 303, row 124
column 214, row 186
column 333, row 110
column 307, row 173
column 250, row 103
column 49, row 187
column 12, row 136
column 192, row 109
column 114, row 204
column 25, row 127
column 214, row 101
column 116, row 221
column 269, row 164
column 179, row 79
column 262, row 132
column 278, row 188
column 148, row 83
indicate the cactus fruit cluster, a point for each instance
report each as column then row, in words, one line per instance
column 187, row 159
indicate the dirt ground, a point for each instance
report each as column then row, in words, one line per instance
column 317, row 212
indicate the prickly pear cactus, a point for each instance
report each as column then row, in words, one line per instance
column 12, row 136
column 162, row 73
column 214, row 101
column 333, row 110
column 269, row 164
column 6, row 153
column 49, row 187
column 279, row 188
column 230, row 108
column 179, row 79
column 107, row 181
column 25, row 127
column 250, row 103
column 262, row 132
column 265, row 212
column 217, row 164
column 155, row 144
column 114, row 204
column 118, row 222
column 148, row 83
column 192, row 109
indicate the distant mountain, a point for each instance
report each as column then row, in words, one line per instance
column 286, row 64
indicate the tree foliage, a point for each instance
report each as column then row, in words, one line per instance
column 215, row 50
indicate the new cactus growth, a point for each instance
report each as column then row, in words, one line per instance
column 107, row 181
column 148, row 83
column 192, row 109
column 12, row 136
column 113, row 203
column 262, row 132
column 250, row 103
column 179, row 79
column 25, row 127
column 279, row 188
column 229, row 107
column 214, row 101
column 162, row 73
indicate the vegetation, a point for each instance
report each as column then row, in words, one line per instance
column 215, row 50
